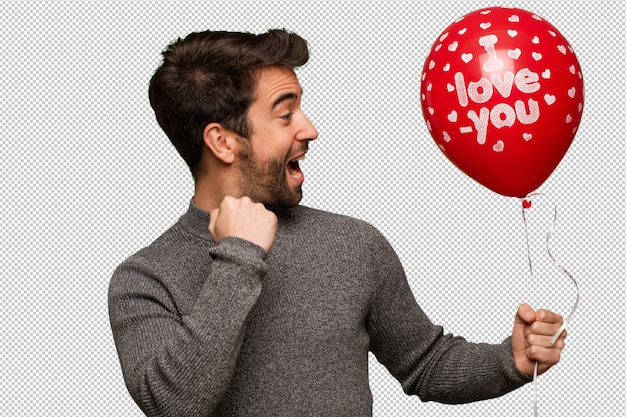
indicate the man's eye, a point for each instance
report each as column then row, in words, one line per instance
column 286, row 116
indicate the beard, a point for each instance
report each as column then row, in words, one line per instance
column 266, row 182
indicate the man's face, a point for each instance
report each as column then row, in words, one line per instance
column 268, row 163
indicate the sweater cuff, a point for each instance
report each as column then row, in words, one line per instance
column 513, row 376
column 246, row 254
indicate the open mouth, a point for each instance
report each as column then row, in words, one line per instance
column 293, row 166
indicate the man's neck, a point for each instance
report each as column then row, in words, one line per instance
column 209, row 194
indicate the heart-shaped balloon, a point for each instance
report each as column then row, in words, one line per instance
column 502, row 96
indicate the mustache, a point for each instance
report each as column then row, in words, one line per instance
column 303, row 149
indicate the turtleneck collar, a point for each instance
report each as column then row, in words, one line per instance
column 196, row 221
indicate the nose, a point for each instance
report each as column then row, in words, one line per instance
column 307, row 130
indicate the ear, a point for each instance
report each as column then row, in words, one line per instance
column 220, row 141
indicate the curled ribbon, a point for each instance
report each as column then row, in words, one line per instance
column 527, row 204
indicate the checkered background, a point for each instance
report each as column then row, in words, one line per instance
column 88, row 178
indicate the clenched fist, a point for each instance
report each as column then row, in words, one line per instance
column 245, row 219
column 531, row 341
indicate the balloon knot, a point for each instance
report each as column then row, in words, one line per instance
column 527, row 204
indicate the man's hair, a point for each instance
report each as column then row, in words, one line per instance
column 210, row 77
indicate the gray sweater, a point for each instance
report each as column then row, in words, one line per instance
column 206, row 329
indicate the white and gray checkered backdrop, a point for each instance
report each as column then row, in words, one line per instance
column 88, row 178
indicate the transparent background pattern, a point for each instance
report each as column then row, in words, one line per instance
column 88, row 178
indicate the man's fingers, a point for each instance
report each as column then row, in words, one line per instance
column 546, row 323
column 544, row 341
column 547, row 316
column 545, row 357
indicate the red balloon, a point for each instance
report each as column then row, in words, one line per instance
column 502, row 96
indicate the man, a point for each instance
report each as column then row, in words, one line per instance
column 254, row 305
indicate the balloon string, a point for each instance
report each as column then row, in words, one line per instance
column 567, row 319
column 535, row 391
column 526, row 204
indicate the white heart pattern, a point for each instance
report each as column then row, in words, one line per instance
column 514, row 53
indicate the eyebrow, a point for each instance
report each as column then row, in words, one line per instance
column 285, row 97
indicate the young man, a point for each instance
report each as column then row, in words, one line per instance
column 254, row 305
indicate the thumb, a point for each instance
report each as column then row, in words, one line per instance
column 212, row 220
column 525, row 315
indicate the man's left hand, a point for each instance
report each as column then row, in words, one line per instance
column 532, row 333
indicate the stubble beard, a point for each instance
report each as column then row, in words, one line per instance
column 266, row 182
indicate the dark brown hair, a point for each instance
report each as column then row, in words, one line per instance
column 210, row 77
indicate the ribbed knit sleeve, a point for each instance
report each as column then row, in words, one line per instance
column 428, row 363
column 178, row 354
